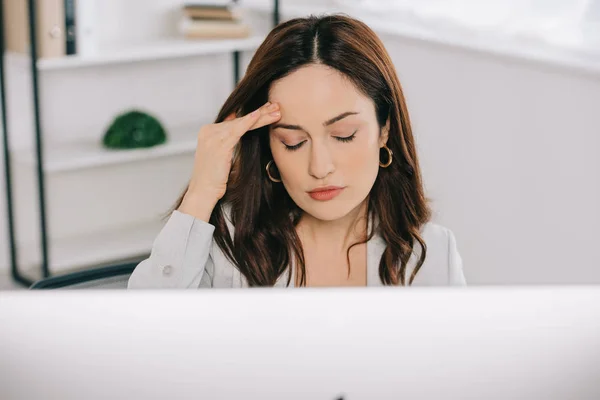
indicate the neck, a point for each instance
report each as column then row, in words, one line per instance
column 338, row 234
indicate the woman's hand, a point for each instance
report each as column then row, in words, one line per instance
column 214, row 154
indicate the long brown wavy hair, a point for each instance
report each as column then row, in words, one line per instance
column 263, row 215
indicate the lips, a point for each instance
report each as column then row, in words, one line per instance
column 325, row 193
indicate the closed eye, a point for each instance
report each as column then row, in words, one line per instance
column 346, row 138
column 294, row 147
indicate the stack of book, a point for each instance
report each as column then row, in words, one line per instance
column 212, row 21
column 62, row 27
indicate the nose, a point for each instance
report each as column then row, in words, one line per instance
column 321, row 161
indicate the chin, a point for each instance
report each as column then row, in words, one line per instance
column 329, row 210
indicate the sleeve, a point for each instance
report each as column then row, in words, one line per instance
column 180, row 256
column 456, row 275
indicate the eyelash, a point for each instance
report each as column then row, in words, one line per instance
column 294, row 147
column 347, row 138
column 341, row 139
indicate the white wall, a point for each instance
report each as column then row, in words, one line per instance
column 510, row 157
column 509, row 148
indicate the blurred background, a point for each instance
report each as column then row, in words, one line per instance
column 504, row 97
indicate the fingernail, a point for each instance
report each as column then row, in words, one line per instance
column 275, row 114
column 254, row 113
column 268, row 103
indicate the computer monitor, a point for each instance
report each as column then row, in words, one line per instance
column 352, row 344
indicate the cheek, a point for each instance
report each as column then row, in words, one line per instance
column 361, row 155
column 278, row 151
column 361, row 166
column 288, row 163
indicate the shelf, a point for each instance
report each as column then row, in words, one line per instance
column 158, row 50
column 96, row 248
column 71, row 156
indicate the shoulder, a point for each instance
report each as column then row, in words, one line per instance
column 438, row 237
column 443, row 263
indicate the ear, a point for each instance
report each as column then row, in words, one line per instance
column 385, row 134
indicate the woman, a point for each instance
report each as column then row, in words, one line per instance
column 309, row 177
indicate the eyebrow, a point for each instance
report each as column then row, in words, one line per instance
column 326, row 123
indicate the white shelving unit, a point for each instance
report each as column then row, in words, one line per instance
column 68, row 156
column 156, row 50
column 72, row 156
column 64, row 158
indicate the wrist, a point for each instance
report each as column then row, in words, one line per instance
column 199, row 205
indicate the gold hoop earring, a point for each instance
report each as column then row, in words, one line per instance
column 390, row 158
column 269, row 173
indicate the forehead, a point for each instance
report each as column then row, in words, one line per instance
column 317, row 90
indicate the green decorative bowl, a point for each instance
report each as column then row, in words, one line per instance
column 133, row 130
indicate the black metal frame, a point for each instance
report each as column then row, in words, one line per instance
column 16, row 274
column 60, row 281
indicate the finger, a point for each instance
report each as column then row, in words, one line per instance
column 267, row 114
column 262, row 121
column 232, row 138
column 232, row 118
column 267, row 118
